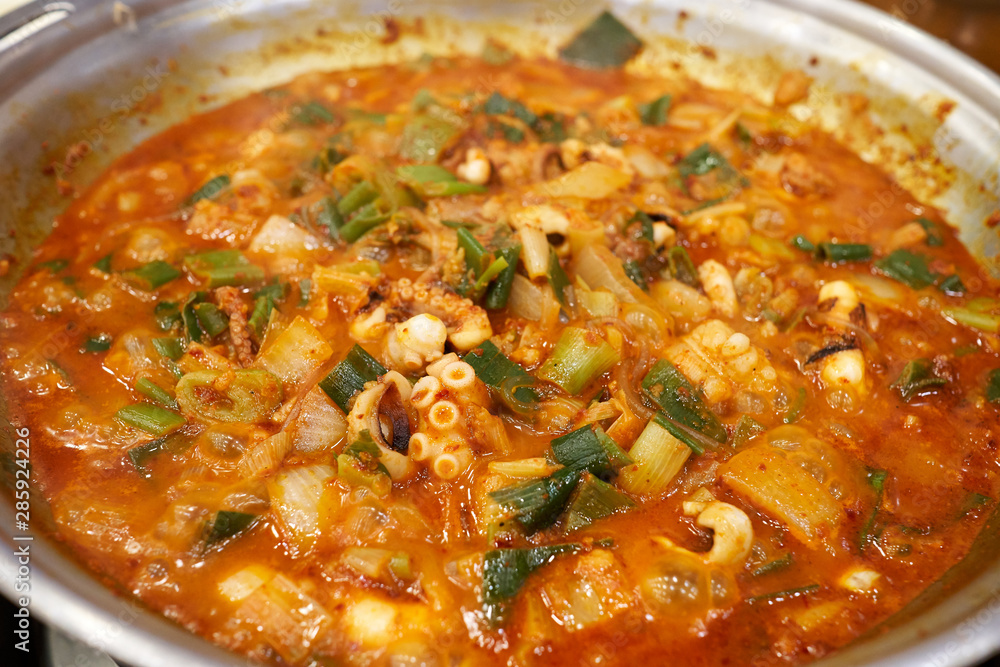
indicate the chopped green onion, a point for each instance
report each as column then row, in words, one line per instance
column 425, row 138
column 171, row 348
column 155, row 393
column 802, row 243
column 578, row 357
column 368, row 218
column 139, row 455
column 993, row 386
column 703, row 160
column 151, row 276
column 551, row 128
column 495, row 268
column 190, row 318
column 917, row 377
column 635, row 274
column 499, row 292
column 658, row 455
column 972, row 318
column 312, row 113
column 655, row 112
column 99, row 343
column 210, row 189
column 682, row 268
column 430, row 180
column 305, row 289
column 104, row 264
column 506, row 570
column 974, row 501
column 592, row 501
column 780, row 596
column 350, row 376
column 844, row 252
column 475, row 253
column 362, row 194
column 211, row 320
column 603, row 44
column 695, row 441
column 934, row 237
column 536, row 504
column 557, row 277
column 773, row 565
column 908, row 268
column 54, row 265
column 876, row 479
column 498, row 105
column 493, row 368
column 952, row 285
column 669, row 389
column 645, row 225
column 583, row 449
column 328, row 158
column 223, row 267
column 260, row 316
column 250, row 396
column 747, row 429
column 150, row 418
column 227, row 524
column 329, row 216
column 167, row 315
column 359, row 465
column 796, row 406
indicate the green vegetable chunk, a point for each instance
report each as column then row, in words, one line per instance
column 908, row 268
column 224, row 267
column 585, row 449
column 493, row 368
column 150, row 418
column 430, row 180
column 747, row 429
column 99, row 343
column 506, row 570
column 655, row 112
column 210, row 190
column 250, row 396
column 151, row 276
column 499, row 292
column 844, row 252
column 227, row 524
column 594, row 500
column 876, row 479
column 671, row 391
column 350, row 376
column 916, row 378
column 578, row 357
column 536, row 504
column 155, row 392
column 604, row 44
column 993, row 386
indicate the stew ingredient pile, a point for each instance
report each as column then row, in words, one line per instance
column 496, row 361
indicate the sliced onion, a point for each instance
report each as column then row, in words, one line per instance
column 320, row 425
column 295, row 501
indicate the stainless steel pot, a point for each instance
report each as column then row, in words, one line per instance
column 102, row 76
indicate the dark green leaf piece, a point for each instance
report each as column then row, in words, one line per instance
column 917, row 377
column 669, row 389
column 604, row 44
column 99, row 343
column 493, row 368
column 210, row 190
column 227, row 524
column 993, row 386
column 350, row 376
column 536, row 504
column 506, row 570
column 908, row 268
column 844, row 252
column 592, row 501
column 655, row 112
